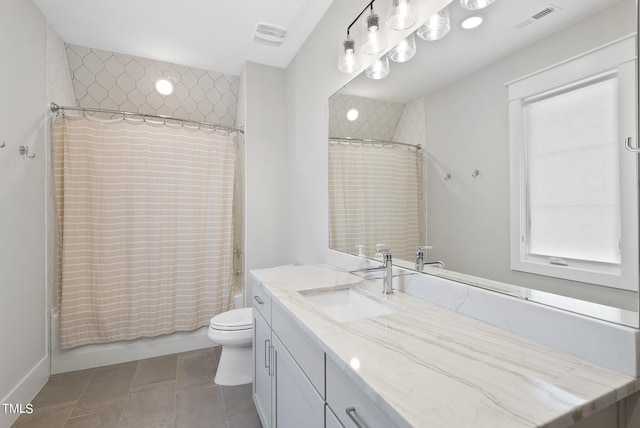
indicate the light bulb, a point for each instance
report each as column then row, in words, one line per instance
column 348, row 61
column 475, row 4
column 379, row 69
column 400, row 15
column 436, row 27
column 471, row 22
column 404, row 51
column 164, row 86
column 374, row 41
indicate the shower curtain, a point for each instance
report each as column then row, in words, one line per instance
column 145, row 227
column 375, row 195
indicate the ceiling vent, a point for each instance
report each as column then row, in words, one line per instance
column 269, row 34
column 537, row 16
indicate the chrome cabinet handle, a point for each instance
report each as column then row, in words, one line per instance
column 272, row 358
column 631, row 148
column 351, row 412
column 267, row 354
column 258, row 299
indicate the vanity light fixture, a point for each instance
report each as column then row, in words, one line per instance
column 400, row 16
column 436, row 27
column 379, row 69
column 374, row 40
column 471, row 22
column 164, row 86
column 352, row 114
column 348, row 60
column 404, row 51
column 475, row 4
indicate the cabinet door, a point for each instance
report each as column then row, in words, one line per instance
column 262, row 368
column 297, row 404
column 331, row 421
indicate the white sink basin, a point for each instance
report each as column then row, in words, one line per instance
column 349, row 304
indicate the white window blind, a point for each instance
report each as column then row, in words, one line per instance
column 573, row 172
column 574, row 191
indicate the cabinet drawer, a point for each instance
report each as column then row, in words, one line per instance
column 307, row 354
column 261, row 298
column 343, row 394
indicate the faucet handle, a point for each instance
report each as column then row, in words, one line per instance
column 381, row 248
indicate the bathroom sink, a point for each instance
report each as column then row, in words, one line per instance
column 349, row 304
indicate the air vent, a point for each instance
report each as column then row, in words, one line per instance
column 537, row 16
column 269, row 34
column 543, row 13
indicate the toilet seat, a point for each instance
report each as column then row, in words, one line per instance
column 233, row 320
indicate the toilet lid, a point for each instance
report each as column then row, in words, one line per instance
column 235, row 319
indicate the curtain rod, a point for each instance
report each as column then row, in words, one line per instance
column 60, row 109
column 373, row 141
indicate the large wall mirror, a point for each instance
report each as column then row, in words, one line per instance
column 429, row 158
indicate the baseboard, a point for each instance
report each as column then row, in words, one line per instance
column 24, row 391
column 90, row 356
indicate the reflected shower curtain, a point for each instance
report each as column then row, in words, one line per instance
column 375, row 194
column 145, row 227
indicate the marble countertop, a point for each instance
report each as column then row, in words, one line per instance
column 430, row 366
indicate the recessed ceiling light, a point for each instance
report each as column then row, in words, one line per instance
column 471, row 22
column 352, row 114
column 164, row 86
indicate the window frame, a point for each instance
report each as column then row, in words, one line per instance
column 617, row 57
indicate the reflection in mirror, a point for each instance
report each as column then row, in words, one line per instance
column 453, row 194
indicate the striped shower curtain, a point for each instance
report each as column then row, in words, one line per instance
column 375, row 195
column 145, row 227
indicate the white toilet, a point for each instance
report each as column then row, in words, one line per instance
column 234, row 331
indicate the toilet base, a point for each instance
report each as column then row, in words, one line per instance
column 235, row 366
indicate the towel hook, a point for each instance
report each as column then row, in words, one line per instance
column 475, row 173
column 24, row 151
column 2, row 144
column 447, row 177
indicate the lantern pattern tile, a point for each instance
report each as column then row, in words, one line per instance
column 109, row 80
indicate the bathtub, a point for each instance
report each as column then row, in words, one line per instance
column 89, row 356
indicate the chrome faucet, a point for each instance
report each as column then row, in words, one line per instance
column 386, row 268
column 437, row 262
column 420, row 262
column 420, row 258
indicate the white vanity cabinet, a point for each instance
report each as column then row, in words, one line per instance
column 352, row 407
column 261, row 367
column 283, row 393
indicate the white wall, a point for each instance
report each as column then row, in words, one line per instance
column 24, row 365
column 311, row 78
column 468, row 218
column 265, row 165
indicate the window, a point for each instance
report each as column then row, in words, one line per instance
column 573, row 186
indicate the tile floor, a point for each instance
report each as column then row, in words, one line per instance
column 169, row 391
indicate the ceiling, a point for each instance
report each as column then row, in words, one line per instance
column 213, row 35
column 461, row 52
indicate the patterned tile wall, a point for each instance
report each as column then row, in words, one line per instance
column 412, row 129
column 377, row 119
column 412, row 126
column 114, row 81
